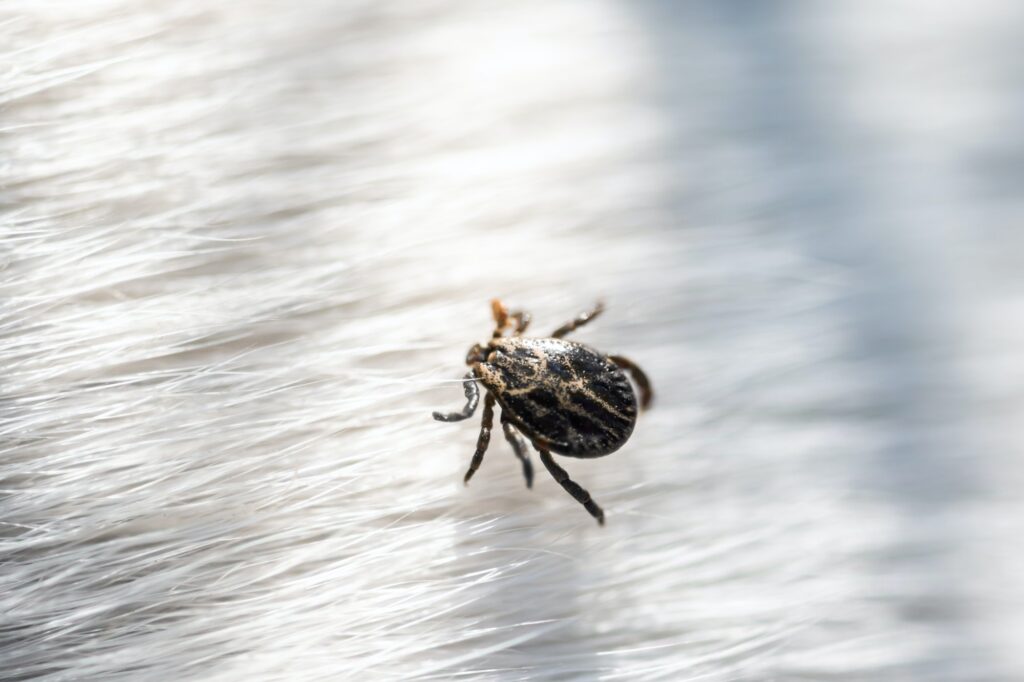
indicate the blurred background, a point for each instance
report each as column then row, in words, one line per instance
column 244, row 249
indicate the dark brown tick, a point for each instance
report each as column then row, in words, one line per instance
column 563, row 396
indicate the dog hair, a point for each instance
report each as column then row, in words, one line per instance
column 245, row 246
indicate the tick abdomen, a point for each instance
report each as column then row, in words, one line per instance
column 563, row 395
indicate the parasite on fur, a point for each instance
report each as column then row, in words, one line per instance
column 563, row 396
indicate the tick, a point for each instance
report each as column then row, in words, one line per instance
column 563, row 396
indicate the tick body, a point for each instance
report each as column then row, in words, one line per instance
column 564, row 397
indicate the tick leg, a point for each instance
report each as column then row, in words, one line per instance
column 522, row 320
column 519, row 447
column 472, row 398
column 484, row 439
column 571, row 487
column 644, row 384
column 580, row 320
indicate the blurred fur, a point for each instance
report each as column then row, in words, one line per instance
column 246, row 244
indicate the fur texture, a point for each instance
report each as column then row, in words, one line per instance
column 245, row 246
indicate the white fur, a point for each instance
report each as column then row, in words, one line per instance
column 245, row 246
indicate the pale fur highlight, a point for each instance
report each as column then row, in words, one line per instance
column 245, row 246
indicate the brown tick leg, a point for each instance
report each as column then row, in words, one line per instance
column 580, row 320
column 472, row 398
column 571, row 487
column 519, row 447
column 522, row 320
column 500, row 313
column 485, row 438
column 642, row 382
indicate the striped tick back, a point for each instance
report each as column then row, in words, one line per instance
column 562, row 395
